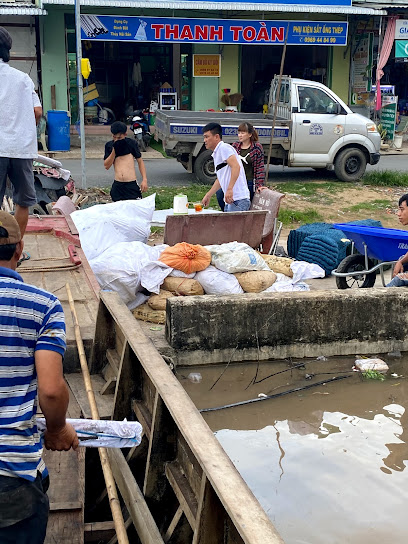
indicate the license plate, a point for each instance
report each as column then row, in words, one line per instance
column 138, row 130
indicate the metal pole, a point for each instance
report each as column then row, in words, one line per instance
column 276, row 104
column 80, row 91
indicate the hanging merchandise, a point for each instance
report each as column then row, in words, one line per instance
column 85, row 68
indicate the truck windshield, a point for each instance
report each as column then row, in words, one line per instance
column 313, row 100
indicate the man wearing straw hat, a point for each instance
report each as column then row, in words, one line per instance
column 20, row 110
column 32, row 344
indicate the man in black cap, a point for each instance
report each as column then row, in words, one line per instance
column 20, row 111
column 32, row 346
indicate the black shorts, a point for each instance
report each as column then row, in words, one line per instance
column 20, row 173
column 125, row 190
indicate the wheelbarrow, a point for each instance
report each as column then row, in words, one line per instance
column 358, row 270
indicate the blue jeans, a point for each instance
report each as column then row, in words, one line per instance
column 220, row 195
column 397, row 282
column 24, row 510
column 242, row 205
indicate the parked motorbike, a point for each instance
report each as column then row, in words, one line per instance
column 140, row 128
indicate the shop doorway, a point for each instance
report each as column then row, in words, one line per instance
column 259, row 63
column 127, row 75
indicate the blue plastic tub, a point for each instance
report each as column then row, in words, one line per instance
column 382, row 244
column 58, row 130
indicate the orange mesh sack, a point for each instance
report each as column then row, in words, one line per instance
column 186, row 257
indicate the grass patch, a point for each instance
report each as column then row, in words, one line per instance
column 288, row 217
column 372, row 206
column 386, row 178
column 311, row 189
column 158, row 146
column 195, row 193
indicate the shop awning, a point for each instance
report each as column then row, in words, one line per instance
column 231, row 6
column 20, row 9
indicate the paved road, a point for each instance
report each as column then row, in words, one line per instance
column 168, row 172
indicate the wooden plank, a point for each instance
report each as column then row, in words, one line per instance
column 173, row 524
column 183, row 492
column 97, row 531
column 103, row 402
column 125, row 384
column 162, row 448
column 104, row 340
column 210, row 514
column 143, row 416
column 74, row 505
column 113, row 360
column 67, row 491
column 143, row 521
column 242, row 507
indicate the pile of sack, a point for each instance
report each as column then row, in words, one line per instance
column 114, row 239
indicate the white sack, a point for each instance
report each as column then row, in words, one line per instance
column 153, row 274
column 104, row 225
column 306, row 271
column 287, row 286
column 180, row 274
column 236, row 257
column 119, row 267
column 217, row 282
column 97, row 433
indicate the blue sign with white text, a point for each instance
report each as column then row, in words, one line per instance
column 175, row 30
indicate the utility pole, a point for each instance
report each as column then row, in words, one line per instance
column 80, row 87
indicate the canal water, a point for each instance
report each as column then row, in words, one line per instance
column 328, row 463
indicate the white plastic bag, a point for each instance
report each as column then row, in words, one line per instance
column 306, row 271
column 236, row 257
column 105, row 225
column 217, row 282
column 371, row 364
column 119, row 267
column 180, row 274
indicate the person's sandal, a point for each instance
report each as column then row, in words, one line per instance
column 25, row 256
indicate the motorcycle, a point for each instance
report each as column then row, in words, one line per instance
column 140, row 128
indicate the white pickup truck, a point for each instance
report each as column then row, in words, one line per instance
column 314, row 128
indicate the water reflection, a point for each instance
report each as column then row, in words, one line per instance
column 328, row 465
column 328, row 482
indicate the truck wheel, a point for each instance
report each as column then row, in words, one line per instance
column 350, row 164
column 204, row 167
column 355, row 263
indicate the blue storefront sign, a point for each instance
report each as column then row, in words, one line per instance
column 227, row 31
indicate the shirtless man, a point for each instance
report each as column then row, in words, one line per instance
column 122, row 152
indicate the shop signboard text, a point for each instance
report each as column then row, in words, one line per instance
column 389, row 115
column 206, row 65
column 176, row 30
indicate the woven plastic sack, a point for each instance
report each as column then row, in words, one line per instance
column 145, row 313
column 182, row 286
column 217, row 282
column 158, row 302
column 256, row 281
column 236, row 257
column 186, row 257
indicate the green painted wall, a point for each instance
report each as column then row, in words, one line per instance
column 53, row 58
column 205, row 91
column 340, row 72
column 230, row 73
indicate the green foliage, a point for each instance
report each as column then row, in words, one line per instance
column 386, row 178
column 373, row 375
column 288, row 216
column 382, row 131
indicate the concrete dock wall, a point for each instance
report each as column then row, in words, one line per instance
column 213, row 329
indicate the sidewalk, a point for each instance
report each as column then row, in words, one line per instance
column 394, row 151
column 95, row 151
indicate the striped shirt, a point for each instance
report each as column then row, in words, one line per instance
column 30, row 319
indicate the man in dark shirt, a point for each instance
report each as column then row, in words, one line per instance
column 122, row 152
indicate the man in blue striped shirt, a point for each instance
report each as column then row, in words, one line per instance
column 32, row 344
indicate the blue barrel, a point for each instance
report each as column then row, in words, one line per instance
column 58, row 130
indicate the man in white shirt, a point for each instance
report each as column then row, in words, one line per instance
column 20, row 111
column 230, row 172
